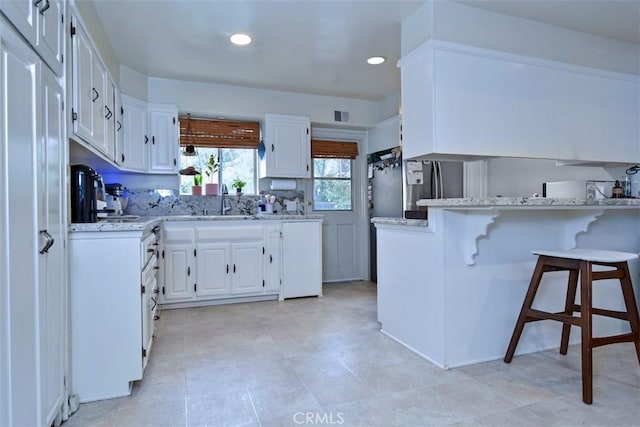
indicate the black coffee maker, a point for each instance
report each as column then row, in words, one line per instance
column 86, row 183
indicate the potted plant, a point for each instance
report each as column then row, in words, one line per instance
column 211, row 170
column 238, row 184
column 196, row 189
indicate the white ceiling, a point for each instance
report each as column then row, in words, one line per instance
column 309, row 46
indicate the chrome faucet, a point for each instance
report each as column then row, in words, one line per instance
column 224, row 203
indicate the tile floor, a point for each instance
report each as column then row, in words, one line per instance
column 277, row 363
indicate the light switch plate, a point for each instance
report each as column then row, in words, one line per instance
column 292, row 205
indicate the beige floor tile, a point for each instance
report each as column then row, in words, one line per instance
column 223, row 409
column 280, row 409
column 471, row 399
column 212, row 381
column 276, row 363
column 157, row 413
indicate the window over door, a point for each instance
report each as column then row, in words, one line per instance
column 332, row 176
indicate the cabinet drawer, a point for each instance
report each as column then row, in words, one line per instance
column 148, row 248
column 226, row 233
column 178, row 235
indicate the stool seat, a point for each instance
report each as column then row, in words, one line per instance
column 579, row 264
column 594, row 255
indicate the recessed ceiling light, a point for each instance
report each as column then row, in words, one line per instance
column 376, row 60
column 240, row 39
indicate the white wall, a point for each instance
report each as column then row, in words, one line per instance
column 133, row 83
column 248, row 103
column 523, row 177
column 448, row 21
column 388, row 106
column 385, row 135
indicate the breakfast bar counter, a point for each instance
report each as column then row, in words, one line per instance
column 451, row 287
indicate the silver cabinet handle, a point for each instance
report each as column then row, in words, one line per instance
column 49, row 241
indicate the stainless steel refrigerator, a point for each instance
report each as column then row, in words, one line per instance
column 429, row 180
column 395, row 185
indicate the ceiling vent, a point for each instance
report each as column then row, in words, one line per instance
column 341, row 116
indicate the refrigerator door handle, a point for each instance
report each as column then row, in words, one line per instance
column 435, row 176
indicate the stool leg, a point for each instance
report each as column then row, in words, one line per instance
column 630, row 303
column 526, row 305
column 585, row 320
column 572, row 284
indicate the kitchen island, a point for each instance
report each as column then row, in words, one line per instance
column 450, row 288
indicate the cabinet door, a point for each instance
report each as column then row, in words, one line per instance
column 50, row 33
column 273, row 258
column 246, row 268
column 83, row 85
column 118, row 114
column 213, row 269
column 179, row 272
column 52, row 263
column 18, row 259
column 136, row 141
column 148, row 307
column 41, row 24
column 109, row 120
column 287, row 146
column 301, row 259
column 99, row 104
column 24, row 16
column 163, row 132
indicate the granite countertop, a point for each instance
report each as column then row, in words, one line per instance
column 400, row 221
column 488, row 202
column 143, row 223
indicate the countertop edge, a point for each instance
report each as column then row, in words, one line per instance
column 400, row 221
column 524, row 202
column 145, row 223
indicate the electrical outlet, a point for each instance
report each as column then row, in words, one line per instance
column 291, row 206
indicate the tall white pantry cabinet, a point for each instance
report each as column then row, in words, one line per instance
column 32, row 217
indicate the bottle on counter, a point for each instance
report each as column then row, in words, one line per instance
column 617, row 191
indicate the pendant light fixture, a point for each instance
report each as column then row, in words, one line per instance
column 189, row 149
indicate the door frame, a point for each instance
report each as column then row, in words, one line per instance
column 359, row 189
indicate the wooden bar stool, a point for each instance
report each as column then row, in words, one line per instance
column 579, row 262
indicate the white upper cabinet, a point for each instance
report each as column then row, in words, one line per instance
column 118, row 114
column 82, row 86
column 40, row 22
column 163, row 131
column 287, row 147
column 461, row 102
column 93, row 96
column 99, row 105
column 136, row 138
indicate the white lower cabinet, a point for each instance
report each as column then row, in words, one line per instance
column 273, row 257
column 229, row 259
column 301, row 259
column 113, row 278
column 178, row 267
column 213, row 270
column 246, row 273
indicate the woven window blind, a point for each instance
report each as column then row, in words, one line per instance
column 333, row 149
column 219, row 133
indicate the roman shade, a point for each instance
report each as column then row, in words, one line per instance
column 334, row 149
column 212, row 133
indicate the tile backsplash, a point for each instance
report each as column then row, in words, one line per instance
column 151, row 202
